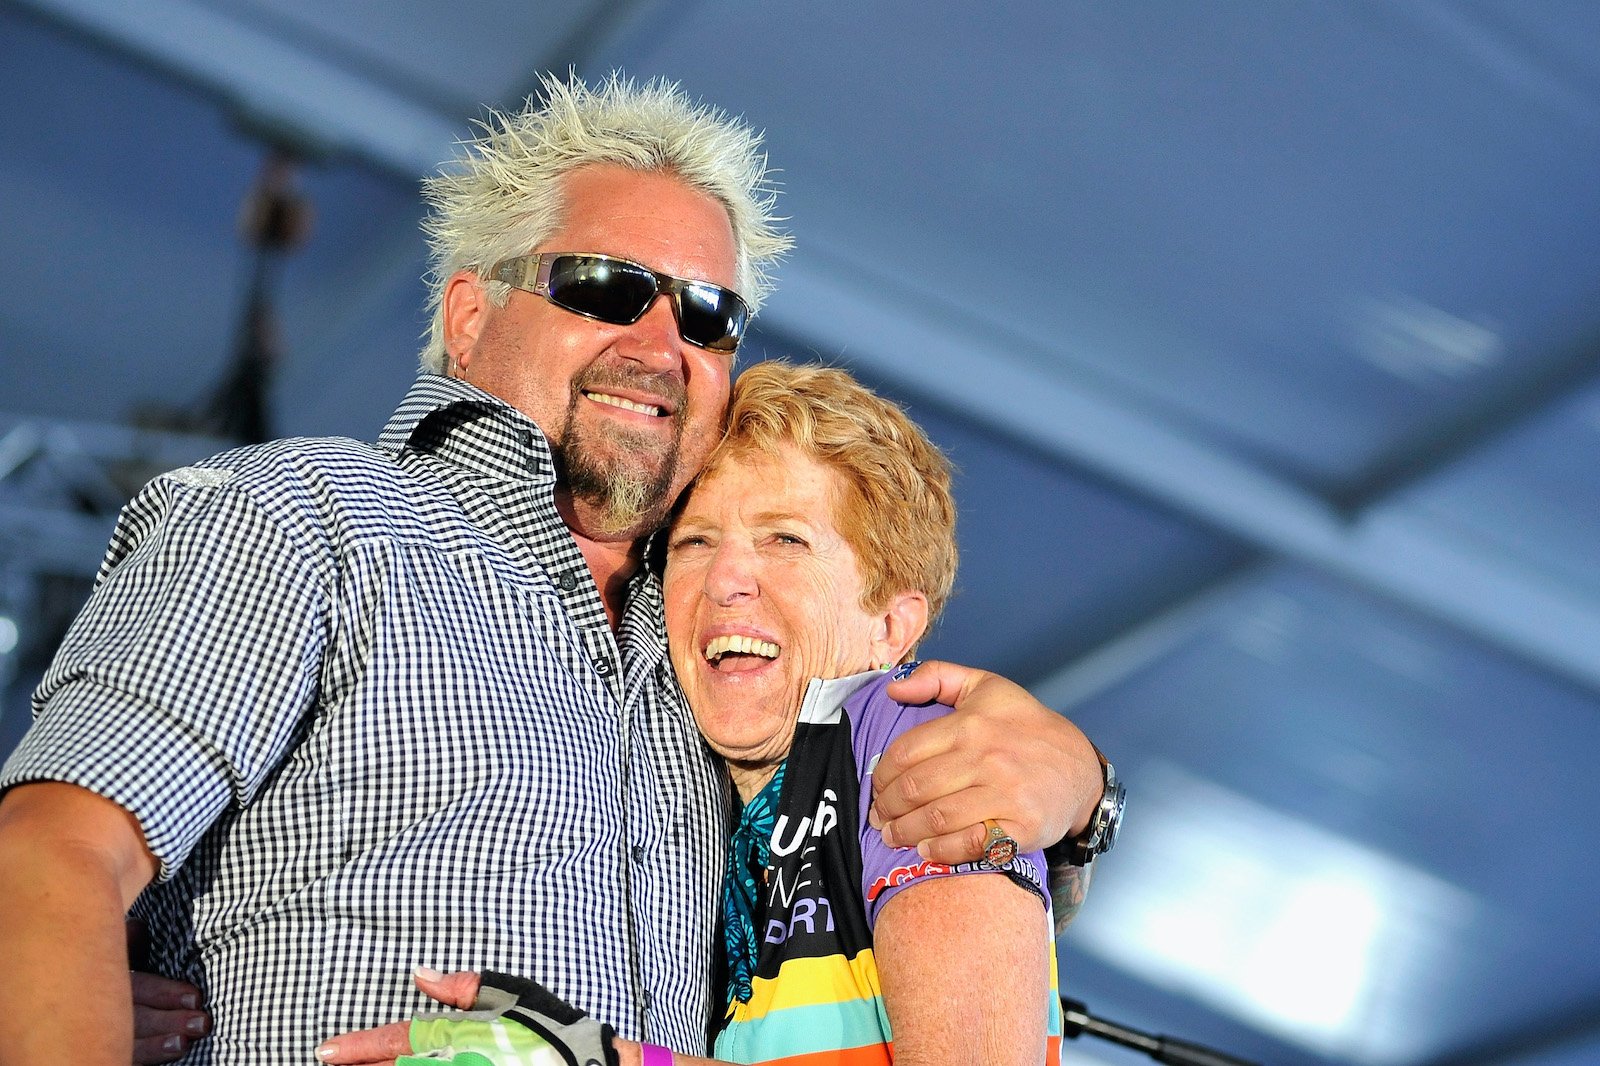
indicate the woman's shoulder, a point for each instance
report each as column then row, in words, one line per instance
column 876, row 718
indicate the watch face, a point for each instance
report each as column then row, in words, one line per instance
column 1114, row 821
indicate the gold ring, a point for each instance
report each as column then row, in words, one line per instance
column 999, row 847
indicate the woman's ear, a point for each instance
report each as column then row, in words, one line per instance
column 464, row 303
column 900, row 625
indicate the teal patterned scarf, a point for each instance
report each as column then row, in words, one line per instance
column 748, row 854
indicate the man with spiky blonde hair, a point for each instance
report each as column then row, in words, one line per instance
column 508, row 196
column 336, row 709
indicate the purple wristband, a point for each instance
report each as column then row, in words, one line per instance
column 654, row 1055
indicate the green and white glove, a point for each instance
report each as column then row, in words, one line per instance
column 513, row 1022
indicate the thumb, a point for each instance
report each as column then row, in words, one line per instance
column 935, row 682
column 453, row 989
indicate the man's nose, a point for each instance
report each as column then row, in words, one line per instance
column 654, row 341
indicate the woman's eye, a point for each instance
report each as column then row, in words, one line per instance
column 790, row 539
column 690, row 541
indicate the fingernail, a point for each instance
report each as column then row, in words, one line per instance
column 427, row 973
column 874, row 819
column 172, row 1043
column 189, row 1001
column 197, row 1026
column 923, row 849
column 327, row 1051
column 888, row 835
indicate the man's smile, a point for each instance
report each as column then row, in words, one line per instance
column 612, row 400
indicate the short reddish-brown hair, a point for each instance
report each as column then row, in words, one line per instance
column 897, row 512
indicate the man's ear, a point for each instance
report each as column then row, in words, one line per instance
column 900, row 625
column 465, row 304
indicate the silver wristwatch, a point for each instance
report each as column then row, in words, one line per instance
column 1101, row 832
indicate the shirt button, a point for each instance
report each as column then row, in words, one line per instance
column 638, row 854
column 602, row 667
column 646, row 1000
column 525, row 437
column 568, row 580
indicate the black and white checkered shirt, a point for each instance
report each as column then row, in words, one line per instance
column 367, row 706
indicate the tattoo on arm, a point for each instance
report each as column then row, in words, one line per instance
column 1069, row 885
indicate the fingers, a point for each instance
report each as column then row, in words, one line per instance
column 152, row 990
column 921, row 801
column 923, row 766
column 148, row 1022
column 166, row 1018
column 154, row 1050
column 986, row 707
column 951, row 829
column 388, row 1042
column 1000, row 754
column 381, row 1045
column 902, row 779
column 456, row 989
column 964, row 845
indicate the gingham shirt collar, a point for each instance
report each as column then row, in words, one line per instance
column 464, row 426
column 509, row 446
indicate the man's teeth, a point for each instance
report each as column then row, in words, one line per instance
column 721, row 646
column 626, row 405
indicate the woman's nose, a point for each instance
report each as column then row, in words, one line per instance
column 731, row 575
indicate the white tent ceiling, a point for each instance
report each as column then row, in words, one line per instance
column 1265, row 335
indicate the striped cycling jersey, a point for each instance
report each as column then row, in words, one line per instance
column 815, row 996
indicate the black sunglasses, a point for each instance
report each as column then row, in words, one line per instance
column 620, row 291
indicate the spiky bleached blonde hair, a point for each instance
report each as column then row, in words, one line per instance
column 504, row 196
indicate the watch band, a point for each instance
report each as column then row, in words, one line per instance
column 1100, row 834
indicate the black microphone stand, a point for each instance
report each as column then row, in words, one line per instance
column 1076, row 1020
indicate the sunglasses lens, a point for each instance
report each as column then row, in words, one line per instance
column 619, row 292
column 710, row 316
column 607, row 289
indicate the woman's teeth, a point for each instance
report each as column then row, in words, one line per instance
column 720, row 646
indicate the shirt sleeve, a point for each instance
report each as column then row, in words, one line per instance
column 886, row 871
column 185, row 678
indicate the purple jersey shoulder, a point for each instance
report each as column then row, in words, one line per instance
column 875, row 721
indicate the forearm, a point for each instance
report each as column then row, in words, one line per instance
column 67, row 876
column 65, row 984
column 1069, row 887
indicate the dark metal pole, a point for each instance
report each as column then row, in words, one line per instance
column 1076, row 1020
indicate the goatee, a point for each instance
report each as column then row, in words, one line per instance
column 626, row 477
